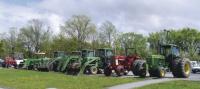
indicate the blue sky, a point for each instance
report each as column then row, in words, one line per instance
column 140, row 16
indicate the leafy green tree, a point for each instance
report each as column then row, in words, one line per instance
column 132, row 40
column 62, row 43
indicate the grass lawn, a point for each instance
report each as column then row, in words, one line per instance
column 181, row 84
column 24, row 79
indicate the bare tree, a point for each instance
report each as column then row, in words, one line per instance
column 107, row 32
column 34, row 35
column 80, row 28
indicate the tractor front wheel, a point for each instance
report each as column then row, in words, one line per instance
column 152, row 73
column 107, row 71
column 93, row 70
column 120, row 70
column 160, row 72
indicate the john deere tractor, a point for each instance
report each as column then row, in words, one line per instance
column 38, row 62
column 69, row 64
column 90, row 63
column 169, row 58
column 57, row 61
column 105, row 54
column 77, row 62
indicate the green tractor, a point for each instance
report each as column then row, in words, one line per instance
column 168, row 59
column 105, row 55
column 89, row 63
column 59, row 57
column 69, row 64
column 83, row 61
column 38, row 62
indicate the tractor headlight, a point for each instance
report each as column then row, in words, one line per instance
column 116, row 62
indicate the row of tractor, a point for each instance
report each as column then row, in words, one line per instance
column 104, row 61
column 77, row 62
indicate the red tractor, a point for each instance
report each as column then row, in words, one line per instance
column 122, row 64
column 9, row 62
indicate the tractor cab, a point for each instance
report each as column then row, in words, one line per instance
column 131, row 55
column 105, row 54
column 170, row 51
column 88, row 53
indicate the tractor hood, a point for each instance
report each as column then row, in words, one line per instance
column 119, row 57
column 156, row 57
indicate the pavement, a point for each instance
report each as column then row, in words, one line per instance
column 153, row 80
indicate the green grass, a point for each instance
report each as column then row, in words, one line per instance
column 24, row 79
column 181, row 84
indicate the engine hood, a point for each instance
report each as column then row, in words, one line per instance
column 119, row 57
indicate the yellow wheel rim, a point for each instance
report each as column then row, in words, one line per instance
column 162, row 72
column 187, row 68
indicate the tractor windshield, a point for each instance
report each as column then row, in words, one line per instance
column 86, row 53
column 175, row 51
column 104, row 53
column 109, row 53
column 100, row 53
column 59, row 54
column 170, row 50
column 76, row 53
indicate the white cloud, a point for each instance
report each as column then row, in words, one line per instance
column 140, row 16
column 55, row 21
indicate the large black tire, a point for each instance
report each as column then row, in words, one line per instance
column 120, row 70
column 107, row 71
column 182, row 68
column 135, row 67
column 152, row 73
column 75, row 68
column 173, row 67
column 93, row 70
column 50, row 67
column 72, row 71
column 142, row 68
column 160, row 72
column 30, row 67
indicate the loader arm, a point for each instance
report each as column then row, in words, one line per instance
column 91, row 61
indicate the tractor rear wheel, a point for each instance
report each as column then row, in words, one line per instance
column 142, row 68
column 160, row 72
column 93, row 70
column 174, row 65
column 182, row 68
column 107, row 71
column 135, row 67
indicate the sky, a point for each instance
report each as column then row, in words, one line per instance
column 139, row 16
